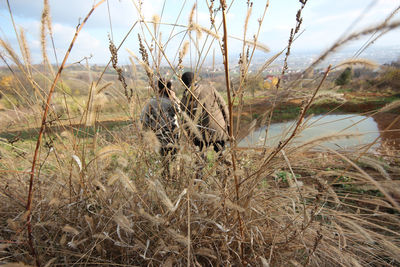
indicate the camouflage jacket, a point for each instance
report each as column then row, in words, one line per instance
column 211, row 129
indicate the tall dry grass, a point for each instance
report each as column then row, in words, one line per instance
column 92, row 197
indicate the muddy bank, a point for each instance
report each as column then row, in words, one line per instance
column 389, row 128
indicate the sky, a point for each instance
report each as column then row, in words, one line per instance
column 324, row 22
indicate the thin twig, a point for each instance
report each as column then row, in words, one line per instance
column 230, row 107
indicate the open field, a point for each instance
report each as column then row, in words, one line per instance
column 82, row 183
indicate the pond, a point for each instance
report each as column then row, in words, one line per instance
column 346, row 131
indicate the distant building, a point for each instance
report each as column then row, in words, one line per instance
column 270, row 81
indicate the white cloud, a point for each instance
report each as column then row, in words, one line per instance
column 71, row 12
column 346, row 16
column 151, row 8
column 324, row 21
column 203, row 18
column 85, row 45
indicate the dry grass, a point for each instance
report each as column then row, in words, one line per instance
column 115, row 208
column 357, row 62
column 100, row 198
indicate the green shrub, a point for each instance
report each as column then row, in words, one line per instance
column 345, row 77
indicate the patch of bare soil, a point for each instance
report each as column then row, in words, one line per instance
column 389, row 127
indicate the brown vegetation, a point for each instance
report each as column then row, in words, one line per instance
column 95, row 195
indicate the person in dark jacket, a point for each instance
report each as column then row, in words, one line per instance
column 212, row 121
column 160, row 115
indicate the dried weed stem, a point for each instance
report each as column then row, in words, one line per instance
column 233, row 143
column 42, row 127
column 114, row 59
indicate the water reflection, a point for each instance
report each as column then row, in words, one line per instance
column 365, row 131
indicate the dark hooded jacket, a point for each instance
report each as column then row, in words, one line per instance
column 210, row 130
column 159, row 115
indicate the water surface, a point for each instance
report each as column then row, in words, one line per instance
column 364, row 129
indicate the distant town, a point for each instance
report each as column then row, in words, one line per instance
column 299, row 61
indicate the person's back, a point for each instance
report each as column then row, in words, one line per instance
column 159, row 115
column 212, row 122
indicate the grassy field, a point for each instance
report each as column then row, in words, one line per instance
column 81, row 183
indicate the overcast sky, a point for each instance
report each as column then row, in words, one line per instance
column 324, row 22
